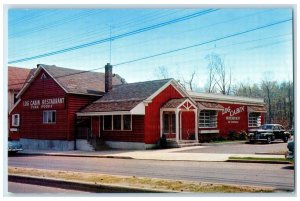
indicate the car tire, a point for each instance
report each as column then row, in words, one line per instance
column 251, row 141
column 269, row 140
column 285, row 139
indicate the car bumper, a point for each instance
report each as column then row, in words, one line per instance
column 14, row 149
column 289, row 155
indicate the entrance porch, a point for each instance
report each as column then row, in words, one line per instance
column 179, row 121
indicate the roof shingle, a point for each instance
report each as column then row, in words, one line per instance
column 125, row 97
column 17, row 77
column 80, row 82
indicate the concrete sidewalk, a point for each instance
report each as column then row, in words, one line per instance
column 161, row 154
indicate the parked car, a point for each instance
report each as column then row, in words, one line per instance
column 290, row 153
column 14, row 146
column 269, row 133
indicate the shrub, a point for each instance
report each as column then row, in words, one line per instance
column 232, row 135
column 163, row 141
column 243, row 135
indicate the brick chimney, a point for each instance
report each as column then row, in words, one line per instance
column 108, row 77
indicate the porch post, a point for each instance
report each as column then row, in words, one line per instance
column 161, row 122
column 196, row 125
column 177, row 125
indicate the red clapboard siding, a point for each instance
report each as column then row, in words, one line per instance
column 74, row 104
column 31, row 121
column 227, row 121
column 136, row 135
column 152, row 114
column 31, row 124
column 95, row 126
column 188, row 124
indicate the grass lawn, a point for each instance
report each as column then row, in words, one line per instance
column 140, row 182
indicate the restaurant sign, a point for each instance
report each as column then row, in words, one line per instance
column 232, row 115
column 45, row 103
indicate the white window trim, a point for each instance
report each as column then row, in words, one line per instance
column 170, row 116
column 13, row 123
column 257, row 125
column 48, row 112
column 122, row 123
column 210, row 126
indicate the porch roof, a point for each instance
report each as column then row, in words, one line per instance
column 111, row 106
column 209, row 106
column 173, row 103
column 257, row 109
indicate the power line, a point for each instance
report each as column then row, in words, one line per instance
column 184, row 48
column 197, row 14
column 80, row 72
column 204, row 43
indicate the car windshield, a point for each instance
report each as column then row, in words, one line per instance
column 266, row 127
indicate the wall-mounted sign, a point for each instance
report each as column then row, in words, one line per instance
column 232, row 114
column 44, row 104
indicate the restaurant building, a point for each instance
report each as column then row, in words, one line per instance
column 65, row 109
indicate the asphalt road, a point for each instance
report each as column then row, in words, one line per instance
column 280, row 176
column 241, row 148
column 14, row 187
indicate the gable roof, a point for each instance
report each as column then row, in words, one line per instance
column 76, row 81
column 17, row 77
column 125, row 97
column 134, row 91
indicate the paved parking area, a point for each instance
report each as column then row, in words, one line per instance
column 277, row 147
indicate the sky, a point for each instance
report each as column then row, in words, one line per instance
column 256, row 43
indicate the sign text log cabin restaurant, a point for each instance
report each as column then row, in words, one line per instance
column 66, row 109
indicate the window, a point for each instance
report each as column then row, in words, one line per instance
column 254, row 119
column 126, row 122
column 15, row 120
column 117, row 122
column 208, row 119
column 15, row 98
column 166, row 123
column 49, row 116
column 107, row 122
column 169, row 122
column 173, row 123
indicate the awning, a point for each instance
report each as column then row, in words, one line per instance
column 259, row 109
column 209, row 106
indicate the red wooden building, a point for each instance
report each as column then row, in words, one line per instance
column 63, row 109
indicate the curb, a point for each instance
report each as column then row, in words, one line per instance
column 81, row 186
column 258, row 161
column 76, row 155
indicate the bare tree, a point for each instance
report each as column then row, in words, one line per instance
column 218, row 77
column 162, row 72
column 189, row 83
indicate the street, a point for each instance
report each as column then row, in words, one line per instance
column 14, row 187
column 280, row 176
column 276, row 147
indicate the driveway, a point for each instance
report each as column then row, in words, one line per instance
column 277, row 147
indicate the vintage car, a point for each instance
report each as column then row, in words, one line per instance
column 268, row 133
column 14, row 146
column 290, row 154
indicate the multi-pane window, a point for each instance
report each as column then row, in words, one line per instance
column 254, row 119
column 15, row 120
column 117, row 122
column 208, row 119
column 107, row 122
column 169, row 122
column 49, row 116
column 166, row 123
column 126, row 122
